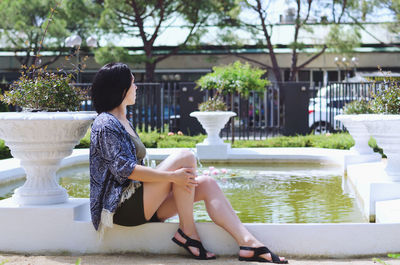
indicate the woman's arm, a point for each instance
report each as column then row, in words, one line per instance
column 183, row 176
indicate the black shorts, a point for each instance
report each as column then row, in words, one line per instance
column 131, row 211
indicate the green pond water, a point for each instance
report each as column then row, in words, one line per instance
column 277, row 193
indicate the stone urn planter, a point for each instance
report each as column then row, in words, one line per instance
column 386, row 131
column 354, row 124
column 213, row 121
column 361, row 152
column 41, row 140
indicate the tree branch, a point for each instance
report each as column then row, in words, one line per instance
column 312, row 58
column 369, row 33
column 155, row 34
column 343, row 9
column 252, row 60
column 139, row 22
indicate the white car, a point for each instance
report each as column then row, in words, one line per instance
column 329, row 102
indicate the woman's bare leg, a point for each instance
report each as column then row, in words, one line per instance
column 219, row 210
column 154, row 194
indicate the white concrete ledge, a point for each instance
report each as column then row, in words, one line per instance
column 371, row 185
column 67, row 227
column 388, row 211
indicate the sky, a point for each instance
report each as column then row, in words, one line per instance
column 176, row 34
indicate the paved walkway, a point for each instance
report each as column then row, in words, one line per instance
column 125, row 259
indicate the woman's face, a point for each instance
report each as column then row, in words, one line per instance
column 130, row 97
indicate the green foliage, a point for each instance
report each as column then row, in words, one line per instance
column 333, row 141
column 85, row 141
column 213, row 104
column 154, row 139
column 232, row 78
column 387, row 98
column 4, row 151
column 23, row 28
column 163, row 140
column 361, row 106
column 110, row 54
column 147, row 20
column 3, row 107
column 342, row 39
column 38, row 89
column 394, row 256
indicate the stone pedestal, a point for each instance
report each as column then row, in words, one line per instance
column 219, row 151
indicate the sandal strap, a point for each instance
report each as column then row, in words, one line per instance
column 262, row 250
column 190, row 242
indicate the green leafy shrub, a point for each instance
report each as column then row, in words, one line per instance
column 38, row 89
column 154, row 139
column 213, row 104
column 333, row 141
column 233, row 78
column 85, row 141
column 4, row 151
column 361, row 106
column 387, row 98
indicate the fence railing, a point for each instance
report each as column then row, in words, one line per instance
column 161, row 104
column 259, row 116
column 328, row 101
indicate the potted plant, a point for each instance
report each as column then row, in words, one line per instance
column 230, row 79
column 384, row 126
column 45, row 132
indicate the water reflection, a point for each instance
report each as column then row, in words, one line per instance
column 266, row 194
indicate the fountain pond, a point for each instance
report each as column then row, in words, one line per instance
column 259, row 193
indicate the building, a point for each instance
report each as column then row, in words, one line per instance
column 190, row 64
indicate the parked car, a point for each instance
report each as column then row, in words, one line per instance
column 329, row 102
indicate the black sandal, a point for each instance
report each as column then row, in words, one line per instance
column 259, row 251
column 192, row 243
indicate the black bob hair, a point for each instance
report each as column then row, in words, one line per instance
column 110, row 85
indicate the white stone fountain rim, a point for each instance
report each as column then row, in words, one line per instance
column 70, row 115
column 214, row 113
column 368, row 117
column 71, row 229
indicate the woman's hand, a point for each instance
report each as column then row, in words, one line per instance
column 185, row 177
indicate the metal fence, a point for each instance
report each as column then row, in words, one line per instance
column 328, row 101
column 166, row 104
column 162, row 105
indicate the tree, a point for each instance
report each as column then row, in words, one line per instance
column 24, row 27
column 303, row 12
column 360, row 11
column 147, row 20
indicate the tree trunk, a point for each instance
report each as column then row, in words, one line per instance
column 150, row 69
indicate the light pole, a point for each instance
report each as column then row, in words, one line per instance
column 74, row 42
column 346, row 66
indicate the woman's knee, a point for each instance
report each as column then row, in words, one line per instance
column 207, row 185
column 187, row 157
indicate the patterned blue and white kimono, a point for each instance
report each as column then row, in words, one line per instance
column 112, row 160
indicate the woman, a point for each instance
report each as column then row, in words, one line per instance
column 125, row 192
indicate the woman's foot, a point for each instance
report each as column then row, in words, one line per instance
column 194, row 250
column 250, row 253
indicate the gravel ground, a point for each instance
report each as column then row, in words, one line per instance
column 125, row 259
